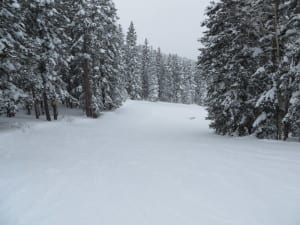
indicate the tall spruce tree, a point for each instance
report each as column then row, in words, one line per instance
column 153, row 85
column 42, row 18
column 290, row 84
column 162, row 76
column 145, row 68
column 132, row 67
column 12, row 51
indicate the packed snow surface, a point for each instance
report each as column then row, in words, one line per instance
column 145, row 164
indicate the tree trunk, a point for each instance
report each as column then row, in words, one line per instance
column 8, row 112
column 28, row 109
column 45, row 98
column 276, row 56
column 43, row 70
column 86, row 81
column 42, row 107
column 54, row 107
column 35, row 105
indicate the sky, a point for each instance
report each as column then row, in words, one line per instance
column 172, row 25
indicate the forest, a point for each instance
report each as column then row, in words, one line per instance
column 251, row 63
column 76, row 54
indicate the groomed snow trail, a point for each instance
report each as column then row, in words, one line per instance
column 145, row 164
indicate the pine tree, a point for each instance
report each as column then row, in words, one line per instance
column 45, row 43
column 153, row 85
column 145, row 69
column 132, row 67
column 189, row 85
column 177, row 76
column 120, row 87
column 274, row 101
column 12, row 51
column 229, row 66
column 200, row 87
column 110, row 51
column 162, row 76
column 291, row 59
column 168, row 85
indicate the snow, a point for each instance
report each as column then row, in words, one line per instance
column 267, row 96
column 256, row 52
column 16, row 5
column 260, row 70
column 2, row 46
column 145, row 164
column 295, row 98
column 262, row 117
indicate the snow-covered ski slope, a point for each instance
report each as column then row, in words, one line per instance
column 145, row 164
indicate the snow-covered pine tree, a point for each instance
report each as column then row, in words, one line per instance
column 72, row 76
column 201, row 87
column 12, row 51
column 84, row 37
column 262, row 79
column 163, row 80
column 167, row 81
column 96, row 73
column 228, row 61
column 177, row 77
column 41, row 19
column 153, row 86
column 279, row 73
column 145, row 69
column 132, row 67
column 188, row 82
column 120, row 90
column 109, row 55
column 290, row 81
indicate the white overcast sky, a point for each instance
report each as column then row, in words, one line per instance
column 173, row 25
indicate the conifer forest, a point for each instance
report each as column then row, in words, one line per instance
column 76, row 54
column 251, row 62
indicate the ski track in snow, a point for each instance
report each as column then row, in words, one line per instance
column 145, row 164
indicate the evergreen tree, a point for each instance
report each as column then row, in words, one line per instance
column 169, row 85
column 200, row 87
column 96, row 46
column 250, row 64
column 12, row 51
column 274, row 101
column 163, row 80
column 132, row 67
column 229, row 66
column 145, row 69
column 178, row 78
column 189, row 85
column 110, row 51
column 153, row 85
column 45, row 43
column 290, row 84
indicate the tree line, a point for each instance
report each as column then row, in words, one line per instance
column 154, row 76
column 75, row 53
column 251, row 64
